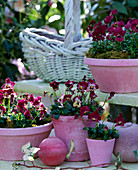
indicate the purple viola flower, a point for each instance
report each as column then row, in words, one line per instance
column 94, row 116
column 54, row 85
column 119, row 120
column 8, row 84
column 84, row 110
column 69, row 84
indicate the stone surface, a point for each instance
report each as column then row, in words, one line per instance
column 38, row 87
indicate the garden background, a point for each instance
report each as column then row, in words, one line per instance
column 16, row 15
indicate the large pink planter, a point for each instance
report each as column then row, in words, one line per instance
column 12, row 139
column 67, row 128
column 117, row 75
column 100, row 151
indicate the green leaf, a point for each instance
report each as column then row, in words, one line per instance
column 72, row 148
column 60, row 7
column 118, row 160
column 56, row 117
column 29, row 151
column 136, row 153
column 132, row 3
column 15, row 166
column 120, row 7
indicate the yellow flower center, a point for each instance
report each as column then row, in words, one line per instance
column 120, row 123
column 81, row 87
column 8, row 86
column 91, row 86
column 93, row 119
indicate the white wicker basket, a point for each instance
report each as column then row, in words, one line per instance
column 53, row 57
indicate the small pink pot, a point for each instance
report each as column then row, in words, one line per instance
column 100, row 151
column 67, row 128
column 117, row 75
column 12, row 139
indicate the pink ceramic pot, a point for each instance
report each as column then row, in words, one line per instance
column 127, row 142
column 117, row 75
column 67, row 128
column 100, row 151
column 12, row 139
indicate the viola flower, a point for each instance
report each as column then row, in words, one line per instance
column 28, row 115
column 119, row 120
column 113, row 12
column 111, row 95
column 107, row 20
column 92, row 95
column 31, row 98
column 119, row 33
column 67, row 97
column 84, row 110
column 21, row 105
column 8, row 84
column 82, row 86
column 54, row 85
column 60, row 100
column 8, row 92
column 77, row 101
column 37, row 100
column 69, row 84
column 77, row 104
column 134, row 25
column 92, row 85
column 94, row 116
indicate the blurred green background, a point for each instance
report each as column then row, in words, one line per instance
column 16, row 15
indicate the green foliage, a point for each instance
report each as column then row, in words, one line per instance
column 101, row 132
column 13, row 23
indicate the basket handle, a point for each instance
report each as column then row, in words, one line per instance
column 72, row 22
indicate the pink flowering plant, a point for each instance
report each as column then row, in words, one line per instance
column 77, row 100
column 113, row 39
column 20, row 111
column 101, row 131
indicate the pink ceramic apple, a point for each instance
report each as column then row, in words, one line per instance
column 52, row 151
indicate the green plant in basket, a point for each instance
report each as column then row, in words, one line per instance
column 20, row 112
column 115, row 40
column 77, row 100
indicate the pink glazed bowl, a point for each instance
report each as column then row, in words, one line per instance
column 12, row 139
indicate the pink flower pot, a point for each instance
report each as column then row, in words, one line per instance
column 127, row 142
column 100, row 151
column 12, row 139
column 67, row 128
column 117, row 75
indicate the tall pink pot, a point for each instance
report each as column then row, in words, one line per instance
column 117, row 75
column 67, row 128
column 100, row 151
column 12, row 139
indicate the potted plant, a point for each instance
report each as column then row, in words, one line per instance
column 101, row 140
column 113, row 44
column 22, row 119
column 70, row 111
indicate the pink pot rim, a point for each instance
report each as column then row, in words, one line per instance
column 26, row 131
column 110, row 62
column 98, row 141
column 68, row 118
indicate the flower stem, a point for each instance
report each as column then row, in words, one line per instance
column 9, row 105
